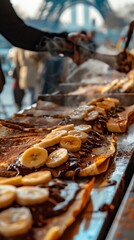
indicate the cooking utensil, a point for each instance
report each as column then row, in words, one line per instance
column 122, row 62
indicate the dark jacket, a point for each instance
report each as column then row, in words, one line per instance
column 2, row 79
column 20, row 34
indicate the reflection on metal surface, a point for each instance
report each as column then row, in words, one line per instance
column 98, row 222
column 123, row 225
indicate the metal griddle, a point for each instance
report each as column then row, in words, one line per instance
column 123, row 225
column 74, row 100
column 95, row 221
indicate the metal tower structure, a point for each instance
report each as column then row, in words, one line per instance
column 51, row 10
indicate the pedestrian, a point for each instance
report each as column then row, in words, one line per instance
column 18, row 93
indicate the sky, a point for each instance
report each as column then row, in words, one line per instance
column 116, row 4
column 30, row 6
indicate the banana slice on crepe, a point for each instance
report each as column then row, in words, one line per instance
column 82, row 135
column 7, row 195
column 30, row 195
column 53, row 233
column 115, row 100
column 83, row 128
column 15, row 221
column 34, row 157
column 64, row 127
column 95, row 100
column 16, row 181
column 36, row 178
column 87, row 108
column 52, row 138
column 57, row 132
column 100, row 110
column 57, row 158
column 78, row 114
column 91, row 116
column 71, row 143
column 105, row 104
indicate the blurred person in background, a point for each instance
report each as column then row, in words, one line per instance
column 18, row 93
column 53, row 74
column 25, row 74
column 91, row 40
column 23, row 36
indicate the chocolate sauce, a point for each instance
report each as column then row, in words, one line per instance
column 62, row 194
column 79, row 160
column 101, row 121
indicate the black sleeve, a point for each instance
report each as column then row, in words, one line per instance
column 2, row 79
column 17, row 32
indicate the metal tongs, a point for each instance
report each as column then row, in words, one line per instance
column 123, row 62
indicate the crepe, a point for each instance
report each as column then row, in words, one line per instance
column 125, row 85
column 51, row 223
column 91, row 159
column 106, row 115
column 121, row 123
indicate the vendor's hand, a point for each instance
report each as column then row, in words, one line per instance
column 69, row 47
column 77, row 38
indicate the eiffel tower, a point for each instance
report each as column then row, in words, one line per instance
column 51, row 10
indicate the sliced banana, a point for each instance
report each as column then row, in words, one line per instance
column 86, row 108
column 57, row 158
column 57, row 132
column 112, row 104
column 100, row 110
column 71, row 143
column 53, row 233
column 2, row 178
column 34, row 157
column 16, row 181
column 105, row 104
column 78, row 114
column 95, row 100
column 83, row 128
column 61, row 132
column 64, row 127
column 15, row 221
column 31, row 195
column 50, row 140
column 7, row 195
column 36, row 178
column 115, row 100
column 82, row 135
column 91, row 116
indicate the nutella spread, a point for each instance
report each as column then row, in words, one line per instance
column 81, row 159
column 62, row 194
